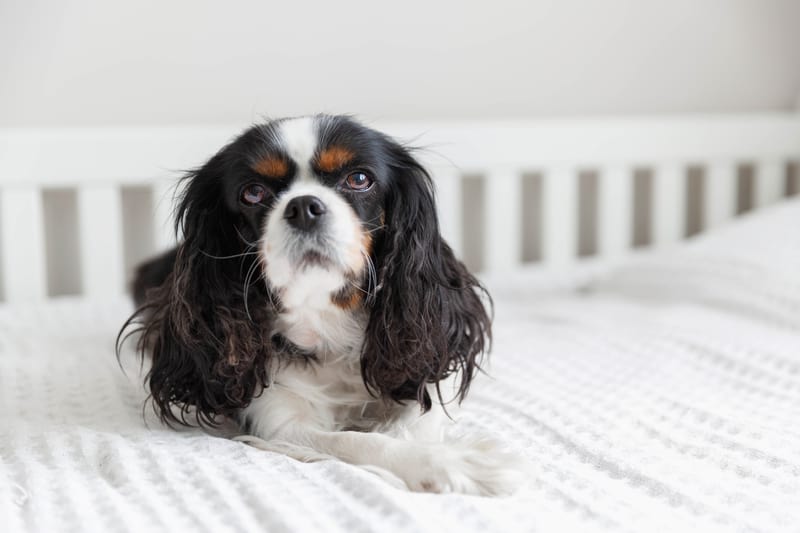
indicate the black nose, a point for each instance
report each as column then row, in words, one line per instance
column 303, row 212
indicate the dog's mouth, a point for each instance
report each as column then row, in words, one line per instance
column 314, row 258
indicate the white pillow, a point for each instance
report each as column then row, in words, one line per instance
column 751, row 266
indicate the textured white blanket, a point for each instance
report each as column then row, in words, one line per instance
column 663, row 397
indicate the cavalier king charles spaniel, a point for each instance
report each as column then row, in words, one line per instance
column 313, row 300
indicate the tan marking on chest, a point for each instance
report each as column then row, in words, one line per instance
column 348, row 299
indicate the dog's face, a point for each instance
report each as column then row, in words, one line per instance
column 323, row 183
column 313, row 192
column 323, row 201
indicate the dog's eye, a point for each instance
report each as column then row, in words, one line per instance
column 253, row 194
column 358, row 181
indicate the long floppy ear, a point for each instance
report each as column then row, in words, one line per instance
column 428, row 319
column 209, row 345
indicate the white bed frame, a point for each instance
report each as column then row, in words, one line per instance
column 98, row 163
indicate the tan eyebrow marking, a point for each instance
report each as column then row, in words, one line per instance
column 272, row 166
column 333, row 158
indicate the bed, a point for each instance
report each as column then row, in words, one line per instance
column 655, row 388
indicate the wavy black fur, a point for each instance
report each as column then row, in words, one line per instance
column 204, row 323
column 428, row 319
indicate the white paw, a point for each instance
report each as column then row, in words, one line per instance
column 480, row 467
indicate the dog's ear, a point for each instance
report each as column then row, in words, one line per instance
column 428, row 318
column 209, row 347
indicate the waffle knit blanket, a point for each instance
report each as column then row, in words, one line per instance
column 663, row 395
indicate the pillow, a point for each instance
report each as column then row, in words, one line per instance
column 751, row 266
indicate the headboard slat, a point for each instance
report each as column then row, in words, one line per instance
column 449, row 196
column 163, row 211
column 100, row 227
column 559, row 215
column 719, row 201
column 23, row 247
column 503, row 238
column 770, row 181
column 616, row 210
column 669, row 203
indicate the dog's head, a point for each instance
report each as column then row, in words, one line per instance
column 327, row 203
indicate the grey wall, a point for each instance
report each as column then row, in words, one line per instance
column 73, row 62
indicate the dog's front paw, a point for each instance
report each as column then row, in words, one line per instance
column 480, row 467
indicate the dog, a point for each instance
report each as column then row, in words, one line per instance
column 313, row 300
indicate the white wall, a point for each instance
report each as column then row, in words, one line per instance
column 82, row 62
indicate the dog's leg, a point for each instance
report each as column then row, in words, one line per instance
column 295, row 427
column 476, row 467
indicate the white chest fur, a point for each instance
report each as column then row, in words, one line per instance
column 327, row 393
column 312, row 322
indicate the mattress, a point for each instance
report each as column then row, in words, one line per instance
column 659, row 395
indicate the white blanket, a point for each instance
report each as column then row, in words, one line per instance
column 663, row 397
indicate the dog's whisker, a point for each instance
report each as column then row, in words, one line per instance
column 244, row 240
column 248, row 253
column 371, row 230
column 372, row 276
column 358, row 287
column 234, row 256
column 247, row 279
